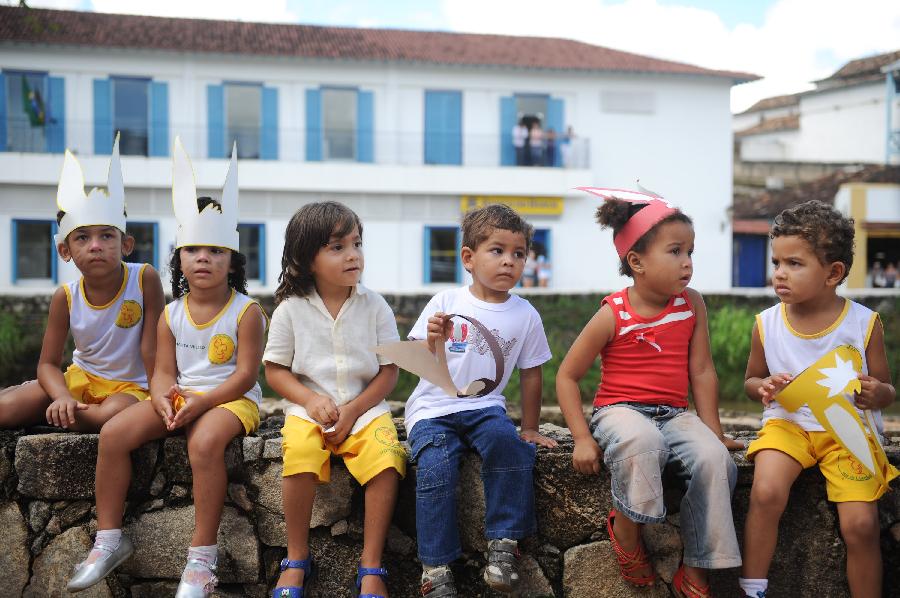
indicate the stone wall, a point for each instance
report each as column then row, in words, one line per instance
column 47, row 517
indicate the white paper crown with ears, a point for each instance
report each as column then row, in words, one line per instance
column 100, row 207
column 215, row 224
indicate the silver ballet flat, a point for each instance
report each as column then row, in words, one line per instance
column 186, row 590
column 85, row 575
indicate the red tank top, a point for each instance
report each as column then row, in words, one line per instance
column 647, row 359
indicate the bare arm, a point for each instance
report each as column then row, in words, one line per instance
column 877, row 391
column 49, row 374
column 531, row 383
column 165, row 372
column 702, row 372
column 153, row 304
column 593, row 338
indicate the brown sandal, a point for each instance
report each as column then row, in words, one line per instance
column 630, row 561
column 686, row 588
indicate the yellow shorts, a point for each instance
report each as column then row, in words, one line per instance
column 367, row 453
column 88, row 388
column 244, row 409
column 846, row 479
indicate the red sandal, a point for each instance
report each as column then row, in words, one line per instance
column 686, row 588
column 630, row 561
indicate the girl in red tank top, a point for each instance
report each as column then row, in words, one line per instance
column 653, row 343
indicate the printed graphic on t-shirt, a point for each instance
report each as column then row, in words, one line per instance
column 129, row 314
column 458, row 337
column 221, row 348
column 483, row 348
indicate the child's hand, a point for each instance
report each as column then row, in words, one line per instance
column 342, row 426
column 586, row 457
column 193, row 407
column 731, row 444
column 61, row 412
column 440, row 328
column 867, row 397
column 323, row 410
column 535, row 437
column 162, row 404
column 771, row 385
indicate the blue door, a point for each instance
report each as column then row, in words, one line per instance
column 749, row 261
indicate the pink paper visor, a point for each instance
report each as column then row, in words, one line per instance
column 638, row 225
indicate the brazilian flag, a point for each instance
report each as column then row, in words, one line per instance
column 33, row 104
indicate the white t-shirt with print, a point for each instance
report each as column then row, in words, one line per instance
column 518, row 329
column 333, row 356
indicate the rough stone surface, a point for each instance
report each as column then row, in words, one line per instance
column 161, row 540
column 38, row 515
column 54, row 466
column 14, row 556
column 53, row 567
column 253, row 446
column 272, row 449
column 470, row 505
column 589, row 567
column 534, row 584
column 238, row 495
column 177, row 464
column 333, row 500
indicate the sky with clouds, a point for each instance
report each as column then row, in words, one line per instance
column 788, row 42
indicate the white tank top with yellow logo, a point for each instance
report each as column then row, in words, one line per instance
column 108, row 337
column 789, row 351
column 206, row 354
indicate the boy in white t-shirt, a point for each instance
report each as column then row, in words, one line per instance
column 441, row 428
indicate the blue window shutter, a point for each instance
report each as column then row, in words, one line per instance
column 56, row 122
column 159, row 119
column 269, row 145
column 556, row 119
column 103, row 133
column 3, row 115
column 313, row 125
column 215, row 121
column 365, row 150
column 443, row 127
column 507, row 122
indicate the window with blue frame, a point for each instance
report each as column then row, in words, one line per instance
column 443, row 127
column 543, row 119
column 252, row 246
column 146, row 235
column 339, row 124
column 131, row 114
column 33, row 250
column 32, row 112
column 243, row 119
column 442, row 254
column 246, row 113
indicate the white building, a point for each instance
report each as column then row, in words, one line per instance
column 851, row 117
column 407, row 128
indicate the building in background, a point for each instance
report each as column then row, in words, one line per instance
column 409, row 128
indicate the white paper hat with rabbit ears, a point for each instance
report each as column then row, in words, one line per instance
column 100, row 207
column 211, row 223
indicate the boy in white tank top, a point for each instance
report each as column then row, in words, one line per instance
column 812, row 251
column 111, row 312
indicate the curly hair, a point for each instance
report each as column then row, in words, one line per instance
column 477, row 225
column 828, row 232
column 237, row 277
column 310, row 229
column 615, row 213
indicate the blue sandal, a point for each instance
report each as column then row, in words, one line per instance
column 308, row 568
column 364, row 571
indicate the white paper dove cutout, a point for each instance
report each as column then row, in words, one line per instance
column 827, row 387
column 100, row 207
column 415, row 357
column 216, row 224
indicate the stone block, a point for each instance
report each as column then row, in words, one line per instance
column 15, row 556
column 177, row 464
column 61, row 466
column 53, row 567
column 272, row 449
column 589, row 567
column 161, row 540
column 252, row 446
column 333, row 500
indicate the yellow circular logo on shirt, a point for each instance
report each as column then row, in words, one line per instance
column 129, row 314
column 221, row 348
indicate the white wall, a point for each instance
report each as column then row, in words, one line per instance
column 843, row 125
column 770, row 147
column 678, row 144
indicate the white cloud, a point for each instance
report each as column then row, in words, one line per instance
column 798, row 42
column 266, row 11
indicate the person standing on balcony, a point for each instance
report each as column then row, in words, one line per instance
column 519, row 138
column 536, row 143
column 550, row 148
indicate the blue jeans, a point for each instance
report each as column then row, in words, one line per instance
column 506, row 471
column 639, row 442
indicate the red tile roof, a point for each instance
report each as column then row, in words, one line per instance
column 73, row 28
column 772, row 125
column 862, row 67
column 774, row 102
